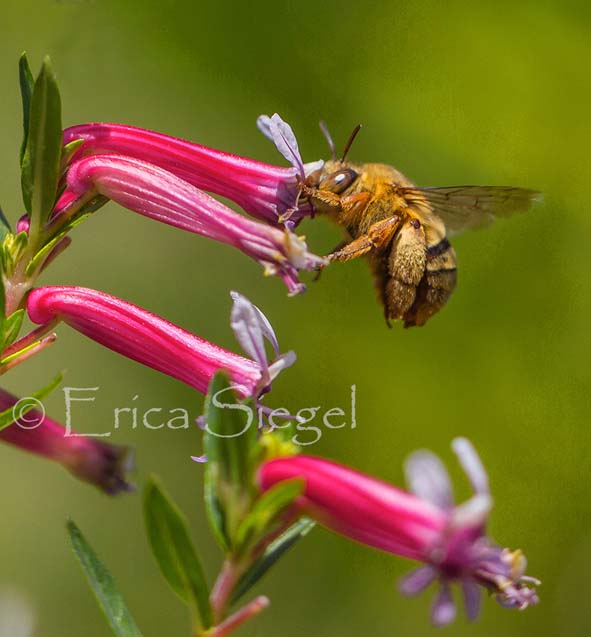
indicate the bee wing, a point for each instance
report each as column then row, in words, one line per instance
column 468, row 207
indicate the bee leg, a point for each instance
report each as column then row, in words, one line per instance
column 352, row 206
column 377, row 238
column 320, row 268
column 340, row 245
column 356, row 248
column 379, row 267
column 322, row 200
column 318, row 273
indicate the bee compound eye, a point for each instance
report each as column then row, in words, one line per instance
column 415, row 223
column 339, row 181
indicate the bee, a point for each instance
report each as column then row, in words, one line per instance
column 402, row 229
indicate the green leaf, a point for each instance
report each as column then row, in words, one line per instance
column 103, row 585
column 41, row 161
column 214, row 510
column 230, row 444
column 68, row 152
column 274, row 551
column 26, row 82
column 230, row 432
column 174, row 552
column 11, row 326
column 266, row 512
column 8, row 416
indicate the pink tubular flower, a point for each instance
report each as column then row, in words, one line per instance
column 157, row 343
column 157, row 193
column 262, row 190
column 89, row 459
column 423, row 525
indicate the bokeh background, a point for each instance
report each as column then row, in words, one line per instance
column 458, row 92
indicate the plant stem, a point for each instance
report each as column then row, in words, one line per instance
column 29, row 339
column 65, row 215
column 20, row 357
column 251, row 609
column 222, row 590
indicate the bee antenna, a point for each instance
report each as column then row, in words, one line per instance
column 351, row 140
column 328, row 137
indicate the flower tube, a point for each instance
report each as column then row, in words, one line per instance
column 422, row 525
column 151, row 340
column 262, row 190
column 161, row 195
column 94, row 461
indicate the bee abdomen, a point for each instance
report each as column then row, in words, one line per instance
column 436, row 286
column 436, row 249
column 441, row 256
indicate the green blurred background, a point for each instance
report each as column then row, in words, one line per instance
column 450, row 93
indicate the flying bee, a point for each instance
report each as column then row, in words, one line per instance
column 402, row 229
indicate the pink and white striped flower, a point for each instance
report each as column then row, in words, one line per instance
column 153, row 341
column 422, row 525
column 159, row 194
column 263, row 190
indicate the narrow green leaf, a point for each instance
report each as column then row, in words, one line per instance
column 12, row 326
column 41, row 161
column 230, row 444
column 214, row 510
column 26, row 83
column 174, row 552
column 25, row 405
column 274, row 551
column 103, row 585
column 68, row 152
column 266, row 512
column 231, row 435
